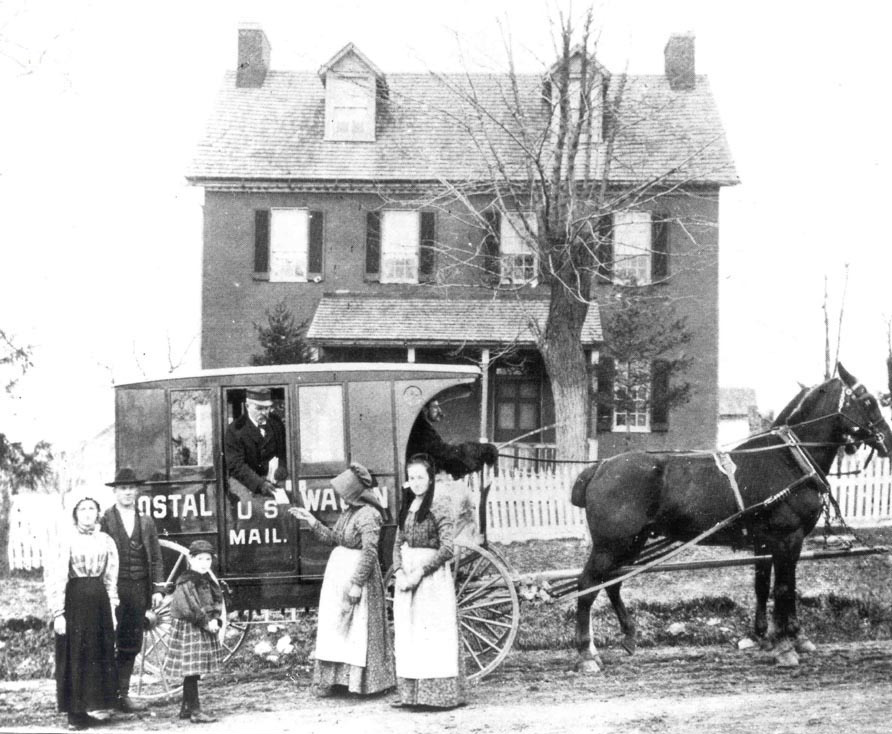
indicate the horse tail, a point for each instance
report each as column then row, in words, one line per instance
column 577, row 494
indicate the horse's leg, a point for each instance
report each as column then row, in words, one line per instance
column 588, row 660
column 626, row 623
column 801, row 643
column 786, row 556
column 763, row 588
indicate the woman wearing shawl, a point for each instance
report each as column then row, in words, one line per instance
column 352, row 647
column 82, row 591
column 425, row 616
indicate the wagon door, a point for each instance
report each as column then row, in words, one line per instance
column 322, row 453
column 259, row 537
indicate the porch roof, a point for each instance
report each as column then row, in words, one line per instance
column 418, row 322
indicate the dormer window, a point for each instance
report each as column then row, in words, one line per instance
column 350, row 108
column 353, row 85
column 593, row 104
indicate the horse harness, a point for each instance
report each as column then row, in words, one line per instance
column 810, row 471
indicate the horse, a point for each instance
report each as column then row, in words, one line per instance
column 770, row 496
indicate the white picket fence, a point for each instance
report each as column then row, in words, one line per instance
column 34, row 519
column 523, row 504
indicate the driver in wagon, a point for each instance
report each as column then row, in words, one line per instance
column 251, row 442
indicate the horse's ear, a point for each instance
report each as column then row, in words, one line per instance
column 847, row 377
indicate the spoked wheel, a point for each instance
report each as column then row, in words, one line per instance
column 488, row 607
column 149, row 680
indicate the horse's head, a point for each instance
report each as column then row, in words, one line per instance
column 861, row 410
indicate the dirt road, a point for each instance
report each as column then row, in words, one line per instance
column 843, row 687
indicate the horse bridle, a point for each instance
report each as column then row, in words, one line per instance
column 859, row 394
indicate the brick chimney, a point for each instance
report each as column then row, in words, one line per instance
column 253, row 56
column 679, row 53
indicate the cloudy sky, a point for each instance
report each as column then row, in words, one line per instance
column 104, row 101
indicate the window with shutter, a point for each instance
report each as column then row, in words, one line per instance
column 288, row 245
column 399, row 247
column 632, row 231
column 605, row 373
column 518, row 262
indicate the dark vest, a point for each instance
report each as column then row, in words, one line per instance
column 133, row 563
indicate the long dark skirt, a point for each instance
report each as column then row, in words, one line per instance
column 86, row 673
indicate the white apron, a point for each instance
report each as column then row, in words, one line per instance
column 424, row 621
column 342, row 631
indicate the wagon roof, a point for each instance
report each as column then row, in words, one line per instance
column 398, row 368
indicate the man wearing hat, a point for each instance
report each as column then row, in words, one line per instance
column 140, row 576
column 251, row 441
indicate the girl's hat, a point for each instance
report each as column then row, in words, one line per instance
column 200, row 546
column 351, row 483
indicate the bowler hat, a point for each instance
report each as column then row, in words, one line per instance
column 200, row 546
column 259, row 395
column 124, row 475
column 351, row 483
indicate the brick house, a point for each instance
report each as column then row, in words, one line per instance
column 324, row 189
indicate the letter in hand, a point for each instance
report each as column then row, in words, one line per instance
column 302, row 513
column 268, row 489
column 59, row 625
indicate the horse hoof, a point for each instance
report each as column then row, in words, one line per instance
column 590, row 666
column 785, row 656
column 629, row 644
column 803, row 645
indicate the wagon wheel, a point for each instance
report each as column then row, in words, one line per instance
column 488, row 607
column 149, row 680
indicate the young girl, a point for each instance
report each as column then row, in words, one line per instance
column 196, row 610
column 425, row 617
column 82, row 591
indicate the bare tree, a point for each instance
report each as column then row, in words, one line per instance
column 564, row 159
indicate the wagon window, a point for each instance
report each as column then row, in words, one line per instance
column 191, row 430
column 321, row 409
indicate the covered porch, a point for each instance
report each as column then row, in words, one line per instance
column 512, row 405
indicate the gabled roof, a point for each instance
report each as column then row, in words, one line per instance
column 276, row 132
column 346, row 51
column 379, row 321
column 578, row 50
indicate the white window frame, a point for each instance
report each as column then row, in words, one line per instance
column 289, row 245
column 350, row 107
column 632, row 247
column 638, row 420
column 400, row 240
column 518, row 262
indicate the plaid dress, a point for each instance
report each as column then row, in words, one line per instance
column 193, row 650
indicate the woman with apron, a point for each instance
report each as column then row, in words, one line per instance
column 353, row 649
column 82, row 591
column 425, row 617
